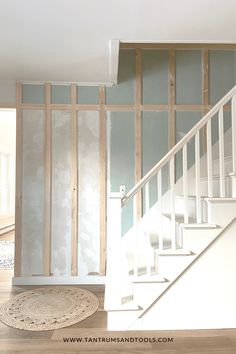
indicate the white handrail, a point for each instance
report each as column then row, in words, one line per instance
column 179, row 146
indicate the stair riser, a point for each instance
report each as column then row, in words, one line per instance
column 198, row 239
column 221, row 213
column 146, row 293
column 172, row 266
column 120, row 320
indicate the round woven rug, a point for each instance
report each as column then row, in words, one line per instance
column 48, row 308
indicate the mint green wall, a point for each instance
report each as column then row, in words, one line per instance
column 154, row 76
column 124, row 92
column 222, row 73
column 188, row 76
column 122, row 157
column 154, row 144
column 33, row 94
column 87, row 95
column 184, row 122
column 60, row 94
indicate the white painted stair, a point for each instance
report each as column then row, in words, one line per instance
column 177, row 232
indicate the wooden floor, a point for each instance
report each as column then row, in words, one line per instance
column 96, row 339
column 6, row 220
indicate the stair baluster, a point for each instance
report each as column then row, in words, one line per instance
column 147, row 228
column 185, row 183
column 136, row 230
column 172, row 202
column 221, row 153
column 160, row 226
column 209, row 160
column 197, row 171
column 233, row 113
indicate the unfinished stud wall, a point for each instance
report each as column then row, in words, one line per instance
column 76, row 144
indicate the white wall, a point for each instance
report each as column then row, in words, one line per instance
column 7, row 131
column 7, row 160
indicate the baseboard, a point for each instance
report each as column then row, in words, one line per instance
column 41, row 280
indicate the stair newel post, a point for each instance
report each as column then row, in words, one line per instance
column 114, row 250
column 197, row 171
column 147, row 227
column 209, row 160
column 185, row 183
column 233, row 174
column 221, row 153
column 160, row 221
column 172, row 202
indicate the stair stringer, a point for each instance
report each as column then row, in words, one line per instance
column 203, row 295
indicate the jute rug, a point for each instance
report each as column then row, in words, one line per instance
column 48, row 308
column 6, row 254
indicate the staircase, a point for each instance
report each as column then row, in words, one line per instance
column 156, row 270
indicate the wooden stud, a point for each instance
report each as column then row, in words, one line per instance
column 205, row 77
column 154, row 107
column 74, row 182
column 103, row 179
column 138, row 129
column 88, row 107
column 61, row 107
column 32, row 106
column 223, row 46
column 205, row 90
column 8, row 105
column 19, row 157
column 48, row 183
column 120, row 108
column 189, row 107
column 171, row 93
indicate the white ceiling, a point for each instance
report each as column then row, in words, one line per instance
column 68, row 40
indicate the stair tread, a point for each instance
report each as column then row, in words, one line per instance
column 191, row 196
column 171, row 252
column 199, row 226
column 129, row 306
column 220, row 199
column 155, row 278
column 217, row 175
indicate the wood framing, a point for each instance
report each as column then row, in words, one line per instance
column 205, row 78
column 138, row 129
column 205, row 90
column 177, row 45
column 18, row 206
column 103, row 179
column 47, row 183
column 74, row 182
column 120, row 108
column 154, row 107
column 8, row 105
column 137, row 108
column 171, row 99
